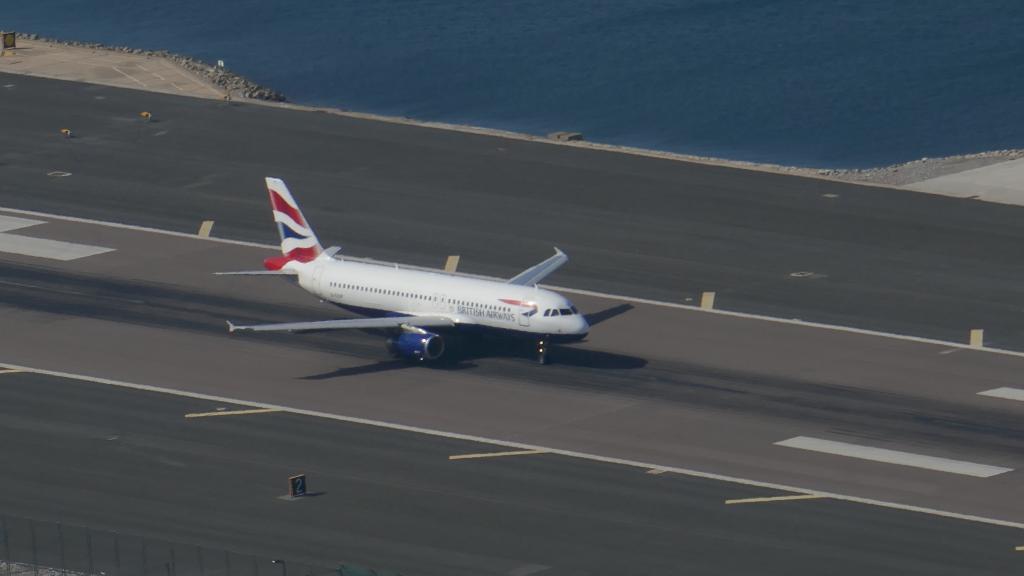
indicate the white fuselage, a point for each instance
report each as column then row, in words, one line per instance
column 380, row 289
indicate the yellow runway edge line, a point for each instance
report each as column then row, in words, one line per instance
column 775, row 499
column 496, row 454
column 231, row 412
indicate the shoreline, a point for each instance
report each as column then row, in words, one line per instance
column 235, row 85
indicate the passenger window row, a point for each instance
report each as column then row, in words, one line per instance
column 386, row 292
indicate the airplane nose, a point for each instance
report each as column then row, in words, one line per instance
column 582, row 326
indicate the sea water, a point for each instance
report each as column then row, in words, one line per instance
column 831, row 83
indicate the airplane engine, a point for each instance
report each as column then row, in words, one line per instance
column 417, row 345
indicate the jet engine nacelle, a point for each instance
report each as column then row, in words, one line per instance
column 417, row 345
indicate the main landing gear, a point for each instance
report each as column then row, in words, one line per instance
column 542, row 350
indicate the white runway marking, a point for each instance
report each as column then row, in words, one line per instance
column 8, row 223
column 41, row 247
column 129, row 76
column 520, row 446
column 894, row 457
column 1004, row 393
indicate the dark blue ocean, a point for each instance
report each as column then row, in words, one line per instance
column 835, row 83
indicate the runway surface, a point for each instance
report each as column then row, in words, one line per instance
column 668, row 387
column 654, row 386
column 793, row 247
column 130, row 460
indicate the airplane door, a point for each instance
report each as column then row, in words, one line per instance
column 524, row 316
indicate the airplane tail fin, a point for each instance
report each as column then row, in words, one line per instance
column 298, row 242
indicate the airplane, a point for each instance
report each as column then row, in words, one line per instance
column 416, row 308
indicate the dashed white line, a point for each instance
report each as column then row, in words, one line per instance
column 1005, row 393
column 894, row 457
column 521, row 446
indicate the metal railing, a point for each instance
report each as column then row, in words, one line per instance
column 41, row 548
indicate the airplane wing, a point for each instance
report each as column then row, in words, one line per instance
column 535, row 274
column 386, row 322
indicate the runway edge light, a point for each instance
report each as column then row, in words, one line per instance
column 297, row 486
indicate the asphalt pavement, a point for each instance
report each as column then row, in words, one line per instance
column 780, row 245
column 100, row 456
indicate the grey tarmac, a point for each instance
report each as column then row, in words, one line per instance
column 669, row 387
column 129, row 460
column 876, row 258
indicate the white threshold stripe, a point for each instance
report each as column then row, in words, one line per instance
column 582, row 292
column 894, row 457
column 49, row 249
column 522, row 446
column 1005, row 393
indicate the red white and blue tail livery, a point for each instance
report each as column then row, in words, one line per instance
column 298, row 242
column 418, row 308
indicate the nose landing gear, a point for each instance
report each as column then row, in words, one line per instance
column 542, row 350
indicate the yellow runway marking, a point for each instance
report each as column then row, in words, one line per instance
column 206, row 228
column 496, row 454
column 775, row 499
column 8, row 370
column 452, row 263
column 232, row 412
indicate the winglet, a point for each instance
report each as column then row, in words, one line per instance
column 538, row 272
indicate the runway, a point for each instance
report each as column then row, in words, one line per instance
column 866, row 419
column 784, row 246
column 104, row 456
column 669, row 387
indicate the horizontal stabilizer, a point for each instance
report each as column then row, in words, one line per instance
column 538, row 272
column 386, row 322
column 257, row 273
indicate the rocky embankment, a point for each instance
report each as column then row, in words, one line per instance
column 230, row 82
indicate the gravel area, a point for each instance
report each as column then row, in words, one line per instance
column 221, row 77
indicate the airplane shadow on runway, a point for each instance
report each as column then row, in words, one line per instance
column 385, row 366
column 595, row 318
column 471, row 350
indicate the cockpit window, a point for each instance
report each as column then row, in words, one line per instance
column 574, row 310
column 554, row 311
column 566, row 312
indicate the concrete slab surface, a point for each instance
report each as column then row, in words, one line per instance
column 107, row 67
column 1002, row 183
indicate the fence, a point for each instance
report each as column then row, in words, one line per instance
column 38, row 548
